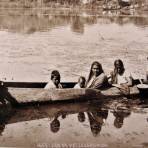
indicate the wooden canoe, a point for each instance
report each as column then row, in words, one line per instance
column 27, row 92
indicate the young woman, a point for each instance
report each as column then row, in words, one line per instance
column 119, row 75
column 96, row 79
column 55, row 80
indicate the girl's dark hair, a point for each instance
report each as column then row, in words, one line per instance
column 121, row 65
column 91, row 73
column 83, row 78
column 55, row 73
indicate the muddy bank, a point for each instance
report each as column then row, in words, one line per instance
column 77, row 4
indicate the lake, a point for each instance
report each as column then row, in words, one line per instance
column 34, row 42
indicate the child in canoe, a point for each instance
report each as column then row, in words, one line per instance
column 81, row 82
column 55, row 80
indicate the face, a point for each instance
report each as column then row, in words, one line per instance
column 95, row 70
column 55, row 80
column 118, row 67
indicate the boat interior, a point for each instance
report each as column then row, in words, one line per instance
column 36, row 84
column 43, row 84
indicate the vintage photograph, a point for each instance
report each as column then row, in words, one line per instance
column 74, row 73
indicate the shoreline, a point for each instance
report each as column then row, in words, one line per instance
column 80, row 5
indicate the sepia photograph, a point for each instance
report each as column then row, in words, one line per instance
column 74, row 73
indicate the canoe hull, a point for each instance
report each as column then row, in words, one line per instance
column 28, row 95
column 28, row 92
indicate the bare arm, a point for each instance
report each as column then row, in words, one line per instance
column 129, row 81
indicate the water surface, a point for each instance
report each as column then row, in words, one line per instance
column 124, row 124
column 34, row 42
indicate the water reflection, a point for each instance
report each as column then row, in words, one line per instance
column 59, row 112
column 2, row 126
column 55, row 123
column 119, row 117
column 89, row 118
column 96, row 120
column 81, row 117
column 30, row 21
column 77, row 25
column 96, row 114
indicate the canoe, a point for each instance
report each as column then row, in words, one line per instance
column 28, row 92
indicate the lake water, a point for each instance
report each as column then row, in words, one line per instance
column 35, row 42
column 89, row 124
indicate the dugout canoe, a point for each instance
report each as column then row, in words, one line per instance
column 27, row 92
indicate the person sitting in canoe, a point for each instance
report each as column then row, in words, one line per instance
column 96, row 79
column 81, row 82
column 55, row 80
column 120, row 78
column 119, row 75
